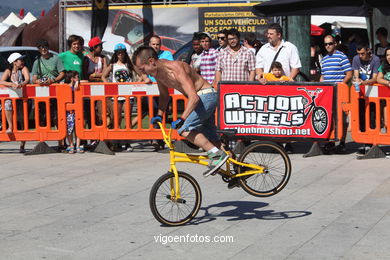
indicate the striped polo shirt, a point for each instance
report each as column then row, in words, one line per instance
column 208, row 63
column 334, row 66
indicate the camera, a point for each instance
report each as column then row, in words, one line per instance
column 44, row 79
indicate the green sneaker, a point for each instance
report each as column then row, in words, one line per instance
column 216, row 161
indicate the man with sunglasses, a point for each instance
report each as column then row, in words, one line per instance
column 48, row 68
column 335, row 68
column 335, row 65
column 221, row 36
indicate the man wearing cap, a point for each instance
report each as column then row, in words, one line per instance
column 48, row 68
column 94, row 62
column 73, row 58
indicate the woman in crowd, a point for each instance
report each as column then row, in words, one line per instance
column 94, row 62
column 15, row 76
column 122, row 70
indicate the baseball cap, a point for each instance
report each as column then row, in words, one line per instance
column 202, row 34
column 94, row 41
column 120, row 47
column 42, row 43
column 15, row 56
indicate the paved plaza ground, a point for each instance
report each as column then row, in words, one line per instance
column 95, row 206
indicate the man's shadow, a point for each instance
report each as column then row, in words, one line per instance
column 245, row 210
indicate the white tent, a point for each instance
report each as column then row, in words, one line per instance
column 340, row 21
column 29, row 18
column 3, row 27
column 13, row 19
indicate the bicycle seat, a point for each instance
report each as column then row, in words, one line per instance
column 228, row 132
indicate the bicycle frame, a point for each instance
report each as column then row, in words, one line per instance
column 175, row 157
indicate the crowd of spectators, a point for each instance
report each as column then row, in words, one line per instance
column 235, row 59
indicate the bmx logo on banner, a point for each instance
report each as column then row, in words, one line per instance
column 293, row 111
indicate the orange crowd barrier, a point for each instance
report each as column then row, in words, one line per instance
column 121, row 111
column 39, row 112
column 370, row 112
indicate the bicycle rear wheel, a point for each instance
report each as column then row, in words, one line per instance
column 171, row 211
column 277, row 169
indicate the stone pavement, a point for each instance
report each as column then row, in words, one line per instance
column 94, row 206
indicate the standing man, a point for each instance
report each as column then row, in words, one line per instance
column 73, row 58
column 381, row 35
column 250, row 41
column 196, row 123
column 155, row 43
column 221, row 37
column 236, row 62
column 335, row 65
column 208, row 58
column 195, row 58
column 365, row 71
column 277, row 50
column 335, row 68
column 48, row 68
column 365, row 66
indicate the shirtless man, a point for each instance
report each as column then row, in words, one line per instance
column 196, row 123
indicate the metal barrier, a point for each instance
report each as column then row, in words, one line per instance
column 30, row 106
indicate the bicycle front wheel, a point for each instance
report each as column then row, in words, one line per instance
column 276, row 173
column 167, row 208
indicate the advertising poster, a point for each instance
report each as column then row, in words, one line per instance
column 133, row 25
column 215, row 19
column 290, row 112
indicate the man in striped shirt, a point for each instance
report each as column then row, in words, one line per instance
column 335, row 67
column 208, row 58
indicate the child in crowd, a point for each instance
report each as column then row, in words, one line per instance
column 15, row 76
column 276, row 74
column 72, row 78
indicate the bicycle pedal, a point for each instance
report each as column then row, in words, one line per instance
column 233, row 183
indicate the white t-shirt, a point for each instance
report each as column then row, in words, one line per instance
column 288, row 57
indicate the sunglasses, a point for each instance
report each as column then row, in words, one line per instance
column 221, row 38
column 328, row 43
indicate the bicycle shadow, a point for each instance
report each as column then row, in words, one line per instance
column 245, row 210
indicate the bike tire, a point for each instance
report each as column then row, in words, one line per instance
column 278, row 167
column 319, row 120
column 159, row 200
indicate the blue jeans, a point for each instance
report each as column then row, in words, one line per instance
column 202, row 119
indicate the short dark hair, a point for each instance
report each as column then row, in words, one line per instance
column 362, row 46
column 69, row 74
column 74, row 38
column 144, row 53
column 196, row 36
column 233, row 32
column 382, row 31
column 276, row 27
column 276, row 65
column 42, row 43
column 250, row 38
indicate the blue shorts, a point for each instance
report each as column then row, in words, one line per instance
column 202, row 119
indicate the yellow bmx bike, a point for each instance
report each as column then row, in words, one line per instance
column 262, row 169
